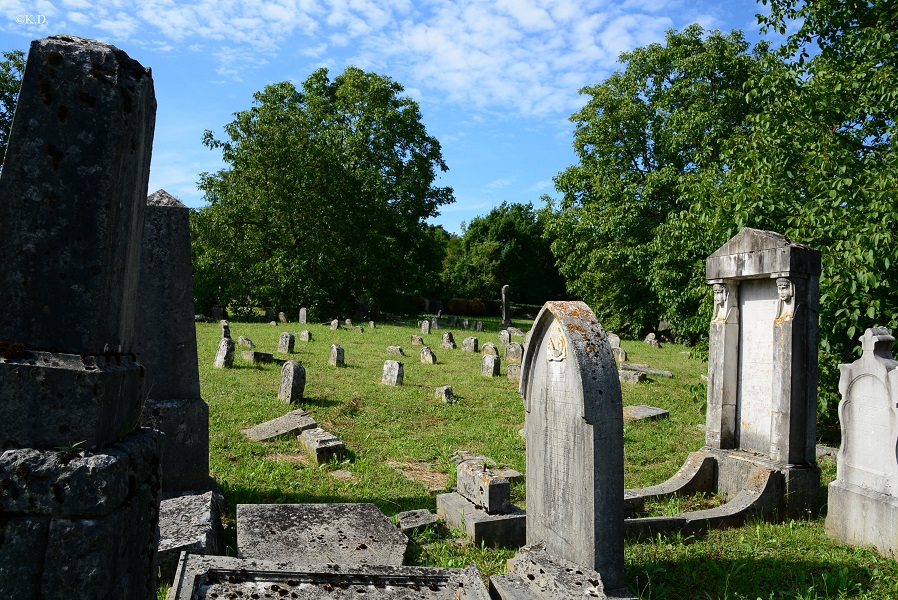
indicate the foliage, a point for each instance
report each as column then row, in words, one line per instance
column 506, row 246
column 324, row 197
column 11, row 68
column 652, row 140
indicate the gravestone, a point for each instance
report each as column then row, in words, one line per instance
column 165, row 344
column 282, row 317
column 652, row 340
column 444, row 393
column 335, row 324
column 516, row 331
column 305, row 335
column 81, row 523
column 575, row 447
column 372, row 325
column 448, row 341
column 466, row 324
column 452, row 321
column 348, row 323
column 504, row 336
column 397, row 350
column 257, row 357
column 286, row 343
column 224, row 357
column 427, row 356
column 489, row 348
column 863, row 499
column 513, row 372
column 245, row 341
column 225, row 329
column 490, row 365
column 290, row 425
column 359, row 329
column 506, row 312
column 293, row 382
column 478, row 326
column 303, row 315
column 417, row 340
column 514, row 353
column 270, row 315
column 425, row 327
column 336, row 356
column 393, row 373
column 435, row 322
column 470, row 344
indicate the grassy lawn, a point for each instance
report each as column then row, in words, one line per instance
column 388, row 429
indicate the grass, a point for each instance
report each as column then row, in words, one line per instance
column 405, row 427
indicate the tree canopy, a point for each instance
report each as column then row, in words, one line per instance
column 11, row 68
column 324, row 198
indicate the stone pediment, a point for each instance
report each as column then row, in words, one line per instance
column 753, row 253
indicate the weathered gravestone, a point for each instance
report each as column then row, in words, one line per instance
column 490, row 365
column 506, row 311
column 335, row 324
column 286, row 343
column 448, row 341
column 427, row 356
column 575, row 445
column 372, row 325
column 397, row 350
column 759, row 449
column 305, row 335
column 444, row 393
column 245, row 341
column 504, row 336
column 303, row 315
column 425, row 327
column 282, row 317
column 514, row 353
column 513, row 372
column 478, row 326
column 359, row 329
column 470, row 344
column 417, row 340
column 81, row 523
column 863, row 500
column 224, row 356
column 489, row 348
column 336, row 356
column 466, row 324
column 293, row 382
column 225, row 329
column 348, row 323
column 393, row 373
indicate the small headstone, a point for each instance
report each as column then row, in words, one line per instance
column 425, row 327
column 336, row 356
column 393, row 373
column 303, row 315
column 413, row 521
column 513, row 371
column 444, row 393
column 427, row 356
column 466, row 324
column 335, row 324
column 470, row 344
column 286, row 343
column 514, row 353
column 225, row 330
column 359, row 329
column 620, row 355
column 293, row 382
column 224, row 358
column 322, row 445
column 291, row 424
column 372, row 325
column 642, row 412
column 631, row 376
column 435, row 322
column 245, row 341
column 305, row 335
column 397, row 350
column 348, row 323
column 417, row 340
column 489, row 348
column 489, row 365
column 478, row 326
column 506, row 309
column 452, row 321
column 504, row 336
column 481, row 487
column 273, row 323
column 613, row 340
column 516, row 331
column 448, row 341
column 282, row 317
column 652, row 340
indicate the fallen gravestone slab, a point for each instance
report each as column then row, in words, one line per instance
column 642, row 412
column 532, row 573
column 186, row 524
column 257, row 357
column 293, row 423
column 508, row 530
column 206, row 577
column 644, row 369
column 412, row 521
column 631, row 376
column 318, row 534
column 322, row 445
column 444, row 393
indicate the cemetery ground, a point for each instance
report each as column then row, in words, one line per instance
column 401, row 440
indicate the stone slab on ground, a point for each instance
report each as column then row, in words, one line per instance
column 293, row 423
column 317, row 534
column 257, row 357
column 641, row 368
column 507, row 530
column 191, row 524
column 199, row 577
column 643, row 412
column 415, row 520
column 322, row 445
column 631, row 376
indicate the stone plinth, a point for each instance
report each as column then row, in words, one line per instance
column 318, row 534
column 508, row 530
column 485, row 489
column 322, row 446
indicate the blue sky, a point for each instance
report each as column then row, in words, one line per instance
column 496, row 80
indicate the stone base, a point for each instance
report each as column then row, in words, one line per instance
column 199, row 577
column 316, row 534
column 81, row 527
column 508, row 530
column 861, row 517
column 185, row 456
column 190, row 523
column 322, row 445
column 50, row 401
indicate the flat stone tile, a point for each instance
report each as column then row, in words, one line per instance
column 642, row 412
column 293, row 423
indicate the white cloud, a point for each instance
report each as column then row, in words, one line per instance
column 498, row 184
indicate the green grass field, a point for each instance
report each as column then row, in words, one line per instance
column 389, row 428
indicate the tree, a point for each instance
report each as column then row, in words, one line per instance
column 652, row 140
column 11, row 68
column 506, row 246
column 324, row 198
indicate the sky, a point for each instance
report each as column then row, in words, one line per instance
column 496, row 80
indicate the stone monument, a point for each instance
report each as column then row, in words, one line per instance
column 293, row 382
column 506, row 312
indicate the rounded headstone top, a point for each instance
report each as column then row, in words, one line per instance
column 163, row 198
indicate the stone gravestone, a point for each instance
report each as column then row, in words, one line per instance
column 305, row 335
column 348, row 323
column 504, row 336
column 513, row 372
column 478, row 326
column 72, row 202
column 286, row 343
column 470, row 344
column 425, row 326
column 506, row 313
column 282, row 317
column 448, row 341
column 489, row 348
column 336, row 356
column 427, row 356
column 293, row 382
column 224, row 357
column 863, row 499
column 393, row 373
column 575, row 446
column 417, row 340
column 490, row 365
column 303, row 315
column 225, row 327
column 514, row 353
column 335, row 324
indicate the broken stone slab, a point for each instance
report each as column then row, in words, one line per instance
column 245, row 341
column 286, row 343
column 293, row 382
column 229, row 577
column 427, row 356
column 413, row 521
column 224, row 357
column 513, row 373
column 470, row 344
column 483, row 488
column 257, row 358
column 74, row 190
column 185, row 457
column 417, row 340
column 490, row 365
column 189, row 523
column 49, row 400
column 397, row 350
column 631, row 376
column 293, row 423
column 322, row 445
column 507, row 530
column 444, row 393
column 305, row 335
column 645, row 369
column 336, row 358
column 489, row 348
column 642, row 412
column 318, row 534
column 394, row 373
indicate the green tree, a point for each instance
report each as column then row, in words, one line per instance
column 652, row 140
column 11, row 68
column 506, row 246
column 324, row 198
